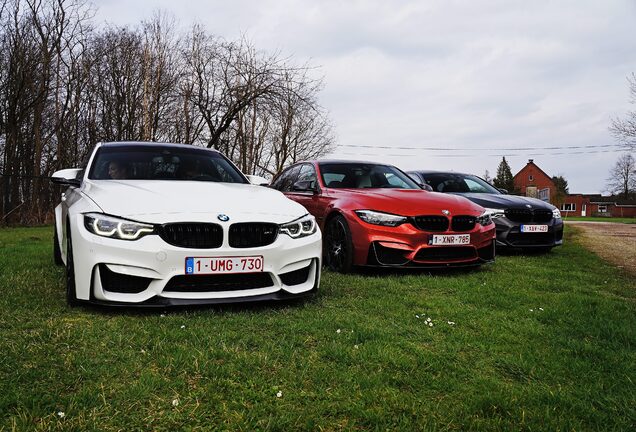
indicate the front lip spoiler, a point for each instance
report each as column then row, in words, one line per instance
column 165, row 302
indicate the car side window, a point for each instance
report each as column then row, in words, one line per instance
column 286, row 180
column 308, row 174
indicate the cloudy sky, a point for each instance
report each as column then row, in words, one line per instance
column 476, row 79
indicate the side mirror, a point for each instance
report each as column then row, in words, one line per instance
column 305, row 186
column 67, row 177
column 257, row 180
column 503, row 191
column 426, row 187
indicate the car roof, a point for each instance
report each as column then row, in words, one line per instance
column 424, row 172
column 347, row 161
column 115, row 144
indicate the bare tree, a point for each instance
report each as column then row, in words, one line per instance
column 624, row 130
column 622, row 178
column 64, row 87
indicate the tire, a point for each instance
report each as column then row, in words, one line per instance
column 71, row 292
column 338, row 247
column 57, row 254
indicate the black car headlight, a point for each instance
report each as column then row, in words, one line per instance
column 115, row 227
column 495, row 213
column 381, row 218
column 298, row 228
column 485, row 218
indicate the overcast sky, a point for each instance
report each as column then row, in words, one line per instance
column 469, row 75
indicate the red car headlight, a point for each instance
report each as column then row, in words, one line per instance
column 380, row 218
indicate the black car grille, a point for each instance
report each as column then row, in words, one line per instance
column 542, row 216
column 431, row 223
column 121, row 283
column 220, row 282
column 445, row 253
column 192, row 235
column 252, row 234
column 527, row 215
column 463, row 223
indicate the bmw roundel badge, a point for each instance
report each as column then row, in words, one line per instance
column 446, row 212
column 529, row 206
column 223, row 217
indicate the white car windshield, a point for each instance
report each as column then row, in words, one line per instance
column 147, row 162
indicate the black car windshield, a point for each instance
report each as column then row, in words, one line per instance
column 162, row 163
column 458, row 183
column 364, row 176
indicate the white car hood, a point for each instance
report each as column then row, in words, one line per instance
column 161, row 201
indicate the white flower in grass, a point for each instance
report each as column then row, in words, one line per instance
column 182, row 326
column 162, row 315
column 61, row 414
column 428, row 320
column 356, row 346
column 531, row 310
column 417, row 316
column 338, row 331
column 541, row 309
column 279, row 394
column 175, row 402
column 430, row 324
column 451, row 323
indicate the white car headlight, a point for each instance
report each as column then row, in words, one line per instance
column 380, row 218
column 301, row 227
column 485, row 218
column 495, row 213
column 114, row 227
column 556, row 213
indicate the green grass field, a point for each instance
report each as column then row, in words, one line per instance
column 537, row 343
column 600, row 219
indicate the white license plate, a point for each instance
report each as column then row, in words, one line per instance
column 216, row 265
column 455, row 239
column 533, row 228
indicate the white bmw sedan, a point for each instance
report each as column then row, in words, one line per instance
column 151, row 224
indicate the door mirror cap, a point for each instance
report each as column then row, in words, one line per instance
column 503, row 191
column 257, row 180
column 67, row 177
column 305, row 186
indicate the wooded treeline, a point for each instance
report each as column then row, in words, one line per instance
column 66, row 85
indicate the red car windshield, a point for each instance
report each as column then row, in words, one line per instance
column 364, row 176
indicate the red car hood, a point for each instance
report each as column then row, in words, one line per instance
column 406, row 202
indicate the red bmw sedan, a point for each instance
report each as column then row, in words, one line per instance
column 375, row 215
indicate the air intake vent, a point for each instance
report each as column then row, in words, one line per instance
column 445, row 253
column 431, row 223
column 192, row 235
column 252, row 234
column 220, row 282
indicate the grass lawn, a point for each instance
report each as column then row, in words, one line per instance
column 536, row 343
column 600, row 219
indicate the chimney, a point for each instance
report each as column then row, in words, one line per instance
column 530, row 161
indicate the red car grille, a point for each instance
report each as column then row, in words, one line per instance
column 431, row 223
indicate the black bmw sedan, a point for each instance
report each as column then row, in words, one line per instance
column 522, row 222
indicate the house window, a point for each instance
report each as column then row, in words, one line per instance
column 602, row 209
column 544, row 194
column 568, row 207
column 530, row 178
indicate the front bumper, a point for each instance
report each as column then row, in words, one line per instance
column 151, row 272
column 509, row 235
column 407, row 246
